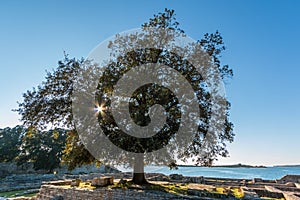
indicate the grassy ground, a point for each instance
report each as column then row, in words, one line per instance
column 175, row 188
column 17, row 193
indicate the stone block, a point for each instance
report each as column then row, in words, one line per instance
column 75, row 183
column 176, row 176
column 290, row 184
column 102, row 181
column 257, row 180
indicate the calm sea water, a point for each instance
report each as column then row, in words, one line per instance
column 269, row 173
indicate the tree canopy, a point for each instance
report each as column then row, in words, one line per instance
column 44, row 149
column 10, row 142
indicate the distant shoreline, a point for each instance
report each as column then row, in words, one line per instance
column 241, row 166
column 228, row 166
column 287, row 166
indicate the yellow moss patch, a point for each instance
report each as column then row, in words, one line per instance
column 237, row 192
column 86, row 185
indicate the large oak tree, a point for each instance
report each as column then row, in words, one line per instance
column 50, row 104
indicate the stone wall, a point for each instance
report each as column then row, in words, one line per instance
column 50, row 192
column 290, row 178
column 11, row 168
column 24, row 177
column 24, row 181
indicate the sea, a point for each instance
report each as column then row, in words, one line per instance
column 268, row 173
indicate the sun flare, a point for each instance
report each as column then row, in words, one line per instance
column 99, row 108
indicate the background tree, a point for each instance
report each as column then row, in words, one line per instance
column 22, row 145
column 43, row 149
column 50, row 103
column 10, row 142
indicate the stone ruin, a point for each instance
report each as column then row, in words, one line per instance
column 288, row 187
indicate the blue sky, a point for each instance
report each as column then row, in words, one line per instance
column 262, row 40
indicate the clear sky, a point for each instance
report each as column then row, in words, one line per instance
column 262, row 39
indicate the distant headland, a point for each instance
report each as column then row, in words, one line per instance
column 242, row 166
column 287, row 166
column 229, row 166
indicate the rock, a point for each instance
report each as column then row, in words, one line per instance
column 103, row 181
column 159, row 177
column 75, row 183
column 226, row 191
column 257, row 180
column 122, row 181
column 243, row 182
column 249, row 193
column 290, row 184
column 191, row 179
column 176, row 176
column 290, row 178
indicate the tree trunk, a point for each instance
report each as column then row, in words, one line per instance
column 138, row 170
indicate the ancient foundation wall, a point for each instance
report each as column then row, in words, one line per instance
column 50, row 192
